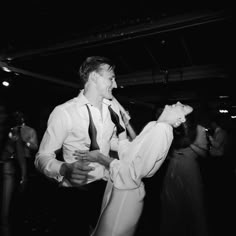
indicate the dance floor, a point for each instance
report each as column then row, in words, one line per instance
column 37, row 218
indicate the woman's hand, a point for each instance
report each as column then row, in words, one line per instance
column 93, row 156
column 125, row 118
column 89, row 156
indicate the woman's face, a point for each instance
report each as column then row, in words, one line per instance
column 179, row 111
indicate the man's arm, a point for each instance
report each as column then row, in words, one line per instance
column 55, row 134
column 45, row 160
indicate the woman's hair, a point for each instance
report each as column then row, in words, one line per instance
column 186, row 133
column 91, row 64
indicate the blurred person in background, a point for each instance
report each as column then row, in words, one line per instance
column 18, row 150
column 183, row 205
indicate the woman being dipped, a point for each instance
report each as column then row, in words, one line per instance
column 140, row 158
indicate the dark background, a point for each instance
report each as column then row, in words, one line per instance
column 164, row 52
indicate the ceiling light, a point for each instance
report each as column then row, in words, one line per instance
column 6, row 69
column 5, row 83
column 223, row 96
column 223, row 111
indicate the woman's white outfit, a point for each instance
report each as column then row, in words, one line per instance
column 123, row 198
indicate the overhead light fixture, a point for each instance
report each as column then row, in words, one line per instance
column 6, row 83
column 6, row 69
column 221, row 97
column 223, row 111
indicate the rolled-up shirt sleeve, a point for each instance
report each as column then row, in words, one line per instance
column 56, row 132
column 142, row 157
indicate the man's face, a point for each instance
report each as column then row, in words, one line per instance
column 106, row 81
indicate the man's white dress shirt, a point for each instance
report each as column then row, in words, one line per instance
column 67, row 128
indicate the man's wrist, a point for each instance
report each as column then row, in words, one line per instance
column 63, row 169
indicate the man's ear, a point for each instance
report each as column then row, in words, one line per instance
column 93, row 77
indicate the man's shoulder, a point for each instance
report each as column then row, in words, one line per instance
column 68, row 104
column 77, row 101
column 68, row 110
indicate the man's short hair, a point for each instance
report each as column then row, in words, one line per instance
column 93, row 63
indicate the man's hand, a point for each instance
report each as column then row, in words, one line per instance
column 77, row 172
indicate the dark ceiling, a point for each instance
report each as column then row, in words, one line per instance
column 163, row 52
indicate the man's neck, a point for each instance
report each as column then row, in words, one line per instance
column 94, row 98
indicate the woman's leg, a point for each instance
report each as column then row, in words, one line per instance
column 122, row 213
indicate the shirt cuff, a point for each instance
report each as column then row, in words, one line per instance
column 53, row 170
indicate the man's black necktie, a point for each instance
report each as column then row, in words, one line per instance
column 116, row 120
column 92, row 132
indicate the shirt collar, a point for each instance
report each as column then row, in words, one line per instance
column 82, row 100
